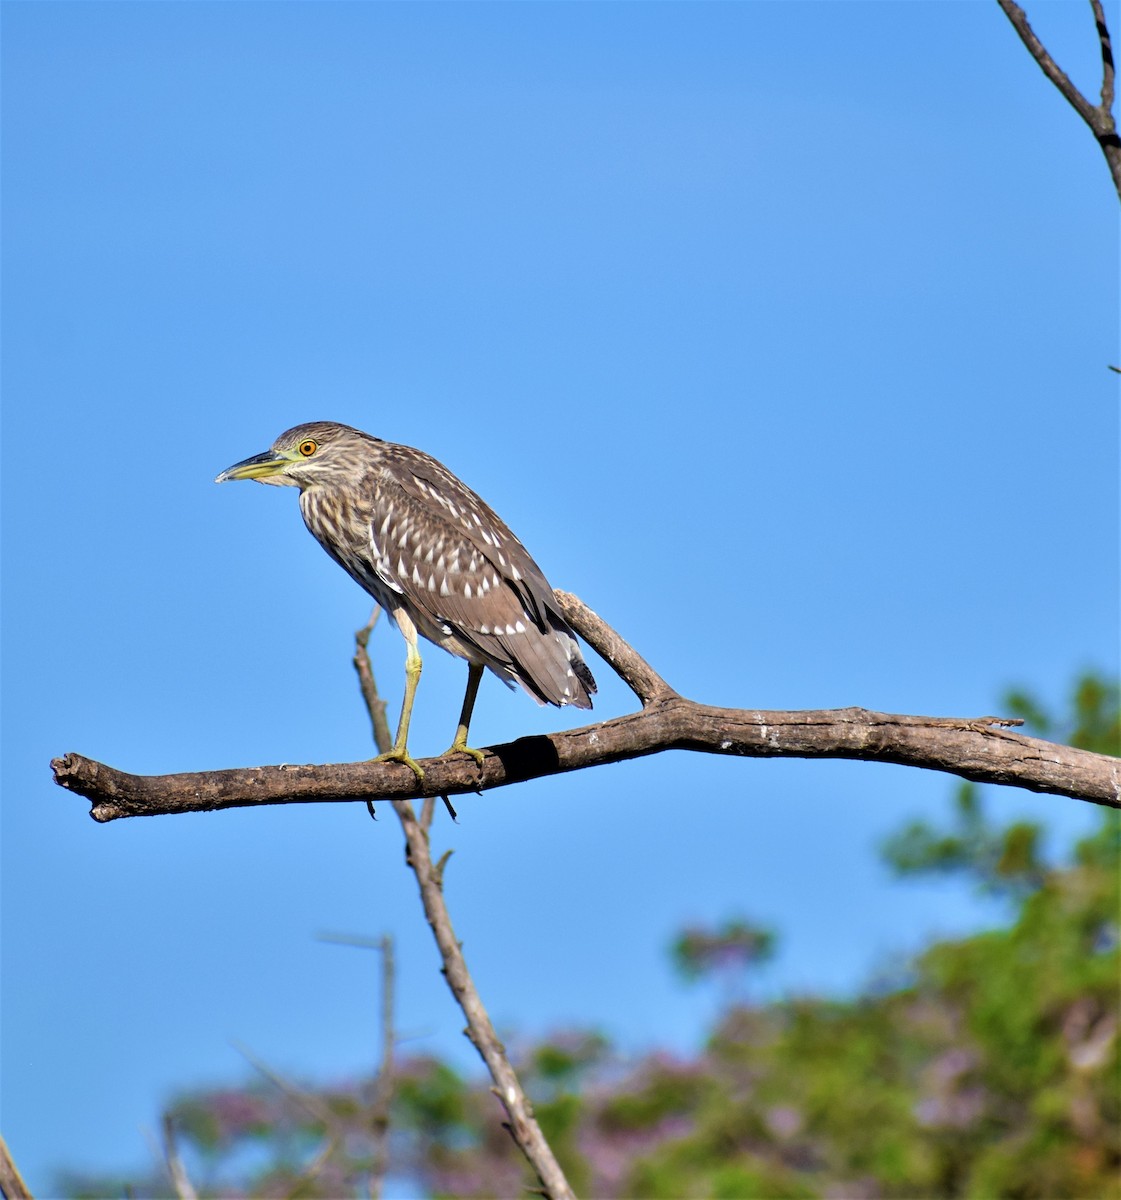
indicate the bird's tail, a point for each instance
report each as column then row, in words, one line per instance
column 549, row 665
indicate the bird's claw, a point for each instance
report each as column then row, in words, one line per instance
column 455, row 748
column 402, row 756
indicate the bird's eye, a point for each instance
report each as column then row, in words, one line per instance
column 308, row 448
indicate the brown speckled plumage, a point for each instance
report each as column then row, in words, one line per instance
column 433, row 554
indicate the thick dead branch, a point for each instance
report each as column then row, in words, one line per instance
column 979, row 748
column 1099, row 117
column 972, row 748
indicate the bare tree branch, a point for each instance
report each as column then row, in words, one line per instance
column 375, row 705
column 1099, row 117
column 979, row 748
column 625, row 661
column 335, row 1128
column 521, row 1123
column 12, row 1186
column 384, row 1082
column 384, row 1086
column 312, row 1104
column 180, row 1181
column 1047, row 64
column 1107, row 56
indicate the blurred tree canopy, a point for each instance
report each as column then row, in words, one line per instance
column 991, row 1068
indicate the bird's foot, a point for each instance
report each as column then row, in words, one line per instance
column 402, row 756
column 458, row 747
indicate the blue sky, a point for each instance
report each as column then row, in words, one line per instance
column 779, row 334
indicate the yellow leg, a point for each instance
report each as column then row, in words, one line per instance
column 400, row 752
column 460, row 746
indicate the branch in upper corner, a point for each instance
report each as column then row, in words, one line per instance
column 1108, row 68
column 1047, row 64
column 1099, row 117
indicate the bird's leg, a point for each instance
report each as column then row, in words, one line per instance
column 460, row 746
column 400, row 752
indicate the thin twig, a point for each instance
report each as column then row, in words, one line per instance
column 12, row 1186
column 299, row 1186
column 335, row 1129
column 384, row 1083
column 384, row 1086
column 180, row 1181
column 521, row 1122
column 375, row 705
column 312, row 1104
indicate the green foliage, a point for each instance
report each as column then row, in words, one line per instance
column 565, row 1062
column 1000, row 859
column 432, row 1097
column 681, row 1169
column 992, row 1070
column 736, row 947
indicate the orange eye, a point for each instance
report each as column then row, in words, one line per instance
column 308, row 448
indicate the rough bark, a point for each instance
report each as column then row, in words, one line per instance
column 982, row 749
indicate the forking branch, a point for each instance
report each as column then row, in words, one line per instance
column 982, row 749
column 1099, row 117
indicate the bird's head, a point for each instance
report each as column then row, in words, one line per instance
column 317, row 453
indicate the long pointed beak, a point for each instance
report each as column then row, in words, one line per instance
column 258, row 467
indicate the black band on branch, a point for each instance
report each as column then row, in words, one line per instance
column 977, row 748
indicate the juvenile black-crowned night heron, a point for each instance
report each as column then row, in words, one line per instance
column 436, row 557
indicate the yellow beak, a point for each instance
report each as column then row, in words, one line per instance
column 260, row 466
